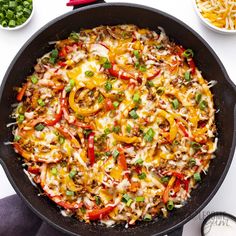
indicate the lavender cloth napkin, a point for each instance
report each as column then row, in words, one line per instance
column 16, row 219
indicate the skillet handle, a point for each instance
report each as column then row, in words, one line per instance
column 88, row 4
column 177, row 232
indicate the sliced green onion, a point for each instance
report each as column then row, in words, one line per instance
column 165, row 179
column 74, row 36
column 41, row 102
column 116, row 104
column 125, row 198
column 170, row 205
column 115, row 154
column 72, row 174
column 116, row 129
column 108, row 86
column 136, row 54
column 129, row 202
column 97, row 200
column 192, row 162
column 39, row 127
column 150, row 84
column 20, row 118
column 17, row 138
column 136, row 64
column 149, row 135
column 34, row 79
column 195, row 145
column 100, row 98
column 70, row 193
column 54, row 53
column 203, row 105
column 188, row 53
column 105, row 62
column 72, row 83
column 54, row 171
column 108, row 154
column 89, row 73
column 143, row 68
column 198, row 97
column 136, row 98
column 133, row 114
column 128, row 128
column 187, row 76
column 175, row 103
column 197, row 177
column 142, row 176
column 61, row 139
column 147, row 217
column 139, row 162
column 139, row 199
column 107, row 131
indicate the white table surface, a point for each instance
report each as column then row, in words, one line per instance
column 224, row 46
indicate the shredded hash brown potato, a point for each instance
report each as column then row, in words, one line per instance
column 220, row 13
column 116, row 124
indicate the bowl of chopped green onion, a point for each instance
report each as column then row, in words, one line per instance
column 15, row 14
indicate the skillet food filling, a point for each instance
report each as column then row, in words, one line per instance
column 116, row 124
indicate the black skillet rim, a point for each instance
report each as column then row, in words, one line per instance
column 103, row 5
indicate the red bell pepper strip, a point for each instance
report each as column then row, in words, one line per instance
column 166, row 194
column 122, row 159
column 91, row 154
column 21, row 93
column 78, row 2
column 178, row 175
column 155, row 75
column 108, row 105
column 115, row 71
column 183, row 129
column 186, row 184
column 100, row 213
column 33, row 170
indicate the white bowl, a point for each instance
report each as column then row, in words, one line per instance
column 22, row 25
column 208, row 24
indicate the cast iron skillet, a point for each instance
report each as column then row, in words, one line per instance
column 112, row 14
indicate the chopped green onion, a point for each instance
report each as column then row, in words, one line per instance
column 34, row 79
column 12, row 24
column 108, row 154
column 147, row 217
column 107, row 131
column 70, row 193
column 197, row 177
column 89, row 73
column 149, row 135
column 175, row 142
column 106, row 63
column 16, row 138
column 203, row 105
column 143, row 68
column 136, row 98
column 198, row 97
column 195, row 145
column 108, row 86
column 170, row 205
column 115, row 154
column 116, row 104
column 192, row 162
column 160, row 91
column 142, row 176
column 136, row 54
column 41, row 102
column 72, row 83
column 139, row 162
column 61, row 139
column 74, row 36
column 165, row 179
column 54, row 171
column 125, row 198
column 116, row 129
column 187, row 76
column 139, row 199
column 54, row 53
column 136, row 64
column 97, row 200
column 188, row 53
column 39, row 127
column 9, row 14
column 133, row 114
column 128, row 128
column 175, row 103
column 72, row 174
column 150, row 84
column 100, row 98
column 20, row 118
column 129, row 202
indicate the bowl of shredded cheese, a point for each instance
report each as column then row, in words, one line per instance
column 218, row 15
